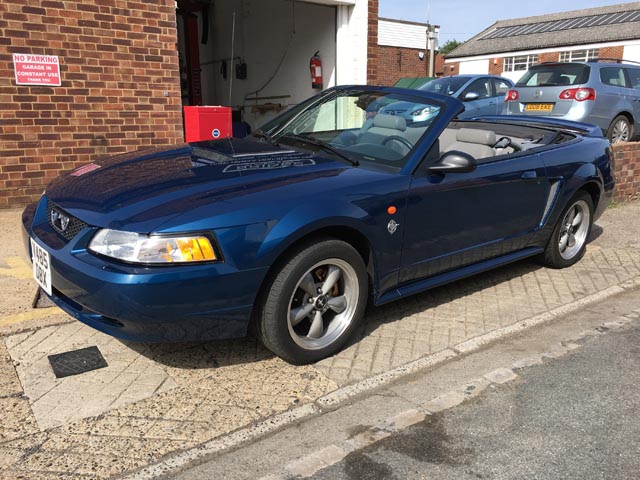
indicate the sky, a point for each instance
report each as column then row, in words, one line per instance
column 462, row 19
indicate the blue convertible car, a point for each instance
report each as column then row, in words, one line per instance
column 290, row 232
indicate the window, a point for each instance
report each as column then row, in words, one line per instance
column 358, row 125
column 553, row 75
column 501, row 87
column 481, row 87
column 519, row 63
column 634, row 77
column 579, row 55
column 444, row 86
column 613, row 76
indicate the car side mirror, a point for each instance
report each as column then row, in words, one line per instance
column 469, row 97
column 454, row 162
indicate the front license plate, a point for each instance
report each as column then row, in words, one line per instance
column 538, row 107
column 41, row 266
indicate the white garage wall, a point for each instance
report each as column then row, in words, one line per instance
column 352, row 43
column 265, row 31
column 514, row 76
column 632, row 53
column 474, row 67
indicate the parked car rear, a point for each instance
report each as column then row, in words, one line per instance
column 602, row 93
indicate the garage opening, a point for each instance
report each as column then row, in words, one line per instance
column 253, row 55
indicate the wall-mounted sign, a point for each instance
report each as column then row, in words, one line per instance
column 36, row 69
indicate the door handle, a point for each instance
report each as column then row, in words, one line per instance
column 529, row 174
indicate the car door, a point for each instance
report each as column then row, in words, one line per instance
column 478, row 99
column 612, row 98
column 457, row 219
column 633, row 76
column 500, row 89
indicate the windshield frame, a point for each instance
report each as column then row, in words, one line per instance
column 279, row 127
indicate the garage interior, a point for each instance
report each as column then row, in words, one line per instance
column 254, row 55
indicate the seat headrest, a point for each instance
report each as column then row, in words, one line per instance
column 472, row 135
column 390, row 121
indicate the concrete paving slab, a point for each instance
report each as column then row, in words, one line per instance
column 56, row 401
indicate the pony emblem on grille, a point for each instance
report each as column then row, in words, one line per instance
column 59, row 220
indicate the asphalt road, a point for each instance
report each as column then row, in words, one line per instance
column 573, row 418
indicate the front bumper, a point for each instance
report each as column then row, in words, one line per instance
column 151, row 304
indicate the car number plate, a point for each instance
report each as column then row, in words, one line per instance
column 41, row 266
column 539, row 107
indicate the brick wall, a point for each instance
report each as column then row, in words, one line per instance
column 627, row 171
column 395, row 63
column 120, row 86
column 496, row 66
column 611, row 52
column 451, row 68
column 372, row 44
column 548, row 57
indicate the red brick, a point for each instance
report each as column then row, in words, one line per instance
column 118, row 58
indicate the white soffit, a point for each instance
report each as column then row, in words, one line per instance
column 400, row 34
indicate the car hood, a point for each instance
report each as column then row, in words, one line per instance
column 142, row 190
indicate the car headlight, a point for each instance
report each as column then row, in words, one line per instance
column 423, row 111
column 139, row 248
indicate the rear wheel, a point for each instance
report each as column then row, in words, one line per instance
column 569, row 238
column 620, row 130
column 314, row 302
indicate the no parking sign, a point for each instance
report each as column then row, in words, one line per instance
column 36, row 69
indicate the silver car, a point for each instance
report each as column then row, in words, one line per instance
column 602, row 93
column 481, row 95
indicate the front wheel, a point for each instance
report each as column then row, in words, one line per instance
column 314, row 302
column 569, row 238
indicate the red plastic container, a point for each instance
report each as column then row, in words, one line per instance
column 206, row 123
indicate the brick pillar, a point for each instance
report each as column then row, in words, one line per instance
column 120, row 87
column 372, row 44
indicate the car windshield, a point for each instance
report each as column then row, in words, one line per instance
column 555, row 75
column 444, row 86
column 351, row 125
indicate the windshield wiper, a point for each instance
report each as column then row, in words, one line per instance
column 323, row 145
column 264, row 135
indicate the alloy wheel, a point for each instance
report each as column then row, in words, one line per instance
column 323, row 304
column 575, row 226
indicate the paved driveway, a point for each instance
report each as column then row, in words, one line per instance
column 153, row 400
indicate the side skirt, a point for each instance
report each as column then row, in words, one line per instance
column 448, row 277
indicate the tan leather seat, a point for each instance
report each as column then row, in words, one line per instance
column 383, row 126
column 477, row 143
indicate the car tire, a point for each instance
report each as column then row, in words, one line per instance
column 620, row 130
column 313, row 302
column 568, row 241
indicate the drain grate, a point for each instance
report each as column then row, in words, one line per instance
column 76, row 362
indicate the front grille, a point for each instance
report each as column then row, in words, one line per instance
column 73, row 227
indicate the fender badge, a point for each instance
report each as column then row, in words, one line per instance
column 392, row 226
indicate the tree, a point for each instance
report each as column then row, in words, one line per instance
column 448, row 46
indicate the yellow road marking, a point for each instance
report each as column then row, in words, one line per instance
column 18, row 268
column 31, row 315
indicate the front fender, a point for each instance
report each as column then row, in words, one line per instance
column 262, row 244
column 306, row 219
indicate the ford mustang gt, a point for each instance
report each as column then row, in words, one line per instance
column 289, row 233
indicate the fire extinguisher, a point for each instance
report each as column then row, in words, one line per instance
column 315, row 64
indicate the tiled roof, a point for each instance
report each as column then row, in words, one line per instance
column 577, row 27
